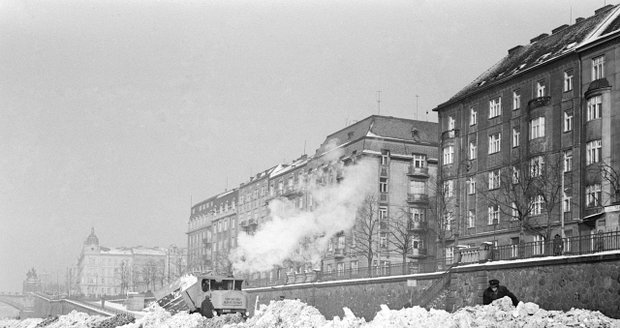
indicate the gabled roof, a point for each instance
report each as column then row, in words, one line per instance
column 544, row 48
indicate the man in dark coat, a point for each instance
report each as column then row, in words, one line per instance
column 206, row 308
column 495, row 291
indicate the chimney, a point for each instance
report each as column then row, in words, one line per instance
column 604, row 8
column 559, row 28
column 514, row 49
column 579, row 19
column 538, row 38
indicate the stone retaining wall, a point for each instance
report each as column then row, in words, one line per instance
column 555, row 283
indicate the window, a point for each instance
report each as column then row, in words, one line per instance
column 514, row 212
column 594, row 108
column 568, row 121
column 516, row 137
column 447, row 219
column 473, row 150
column 471, row 186
column 451, row 123
column 495, row 143
column 593, row 152
column 568, row 80
column 515, row 175
column 494, row 179
column 566, row 200
column 516, row 99
column 493, row 214
column 383, row 213
column 593, row 195
column 536, row 166
column 419, row 160
column 540, row 89
column 598, row 68
column 495, row 107
column 568, row 160
column 340, row 268
column 473, row 116
column 448, row 188
column 537, row 205
column 385, row 156
column 354, row 267
column 448, row 155
column 537, row 127
column 383, row 185
column 417, row 214
column 471, row 218
column 383, row 240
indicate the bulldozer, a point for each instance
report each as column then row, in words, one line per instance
column 187, row 293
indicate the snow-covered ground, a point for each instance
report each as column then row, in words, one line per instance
column 294, row 314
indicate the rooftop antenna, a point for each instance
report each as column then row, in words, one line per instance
column 416, row 105
column 379, row 101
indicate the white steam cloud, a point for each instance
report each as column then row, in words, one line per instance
column 302, row 236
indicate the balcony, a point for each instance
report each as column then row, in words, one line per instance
column 339, row 253
column 206, row 242
column 417, row 253
column 417, row 172
column 252, row 223
column 450, row 134
column 417, row 198
column 384, row 172
column 417, row 226
column 539, row 102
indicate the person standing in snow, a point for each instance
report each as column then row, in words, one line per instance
column 495, row 291
column 206, row 307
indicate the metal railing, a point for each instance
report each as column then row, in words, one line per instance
column 578, row 245
column 423, row 266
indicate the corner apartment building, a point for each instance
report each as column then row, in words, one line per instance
column 212, row 233
column 403, row 155
column 529, row 149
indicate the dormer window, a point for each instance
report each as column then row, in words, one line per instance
column 540, row 89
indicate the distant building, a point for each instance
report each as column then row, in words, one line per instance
column 404, row 156
column 529, row 149
column 114, row 271
column 212, row 232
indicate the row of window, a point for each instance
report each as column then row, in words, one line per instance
column 495, row 104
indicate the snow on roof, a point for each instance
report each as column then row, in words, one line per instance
column 545, row 48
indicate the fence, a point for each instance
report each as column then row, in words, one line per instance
column 589, row 244
column 424, row 266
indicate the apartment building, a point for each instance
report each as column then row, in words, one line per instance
column 212, row 233
column 528, row 149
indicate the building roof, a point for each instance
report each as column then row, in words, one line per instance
column 382, row 127
column 545, row 48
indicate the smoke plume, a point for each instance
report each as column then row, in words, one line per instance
column 300, row 235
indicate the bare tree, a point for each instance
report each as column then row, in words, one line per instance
column 611, row 175
column 550, row 187
column 440, row 208
column 122, row 276
column 366, row 229
column 401, row 237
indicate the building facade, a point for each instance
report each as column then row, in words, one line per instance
column 527, row 149
column 212, row 233
column 403, row 155
column 103, row 271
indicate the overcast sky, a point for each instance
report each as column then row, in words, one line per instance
column 119, row 114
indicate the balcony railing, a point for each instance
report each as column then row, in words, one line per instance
column 539, row 102
column 417, row 198
column 417, row 253
column 339, row 253
column 383, row 172
column 416, row 226
column 421, row 172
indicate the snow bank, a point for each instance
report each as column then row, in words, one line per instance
column 294, row 314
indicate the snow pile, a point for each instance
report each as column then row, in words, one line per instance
column 285, row 313
column 294, row 314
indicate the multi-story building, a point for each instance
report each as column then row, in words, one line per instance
column 212, row 233
column 528, row 149
column 396, row 218
column 253, row 196
column 115, row 271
